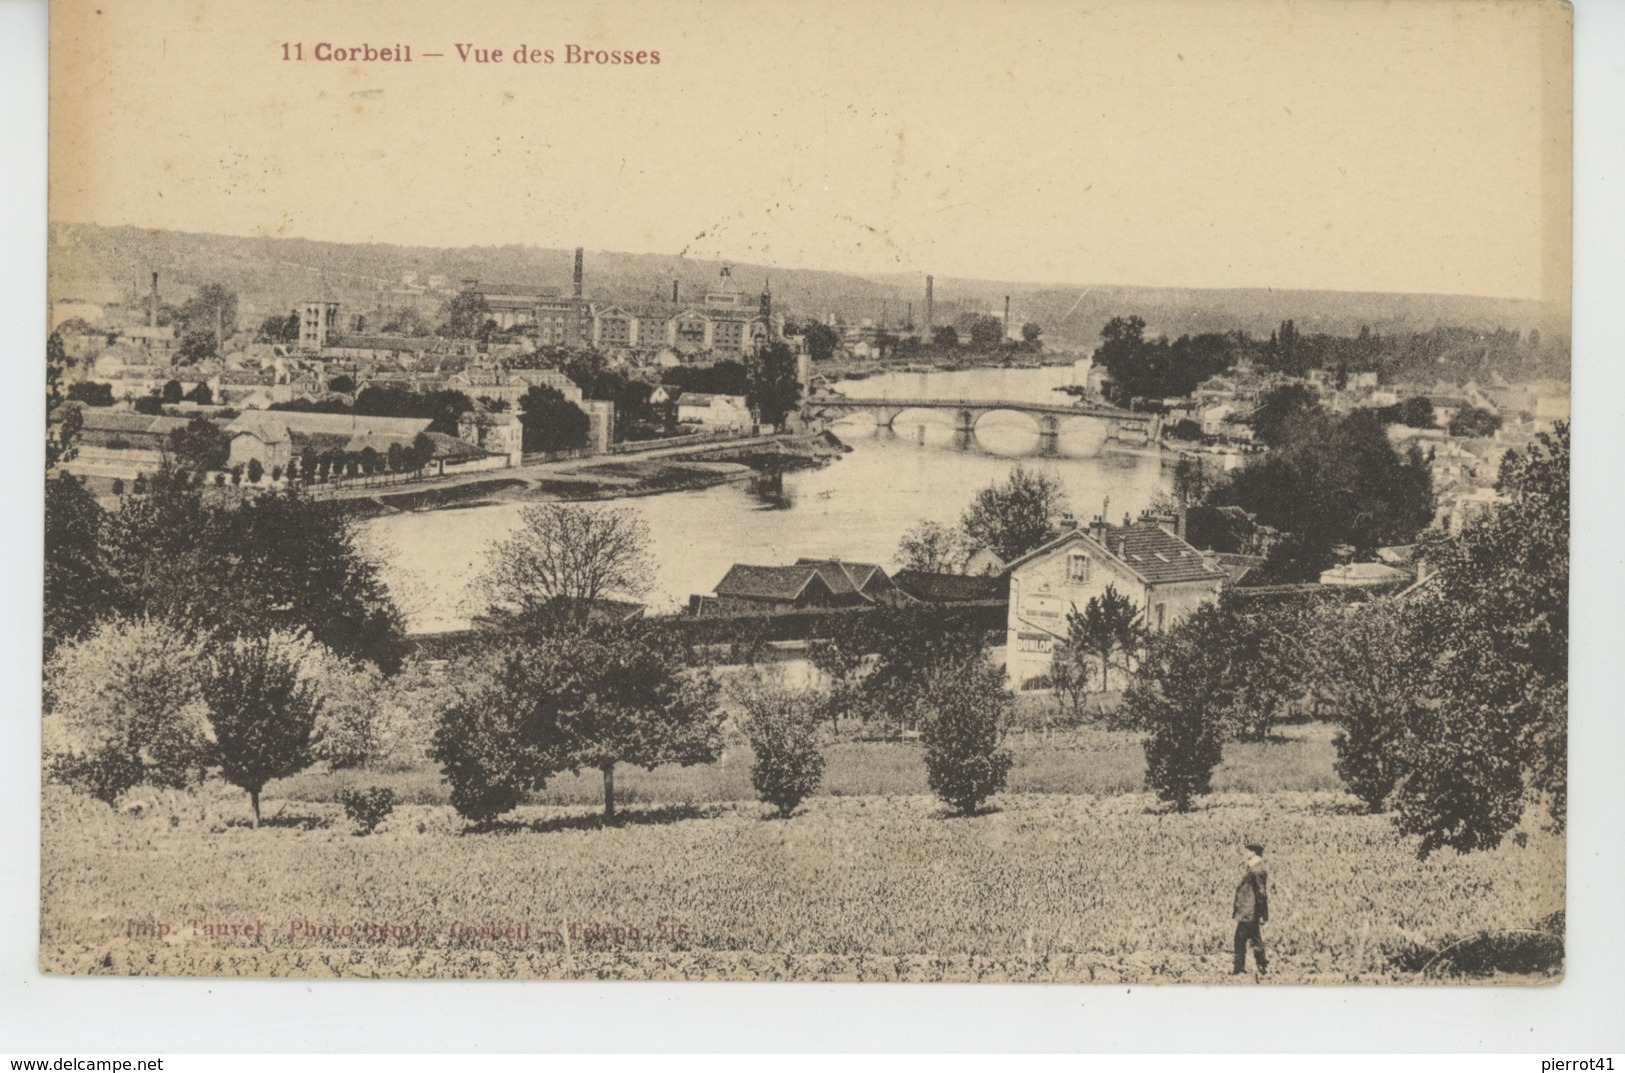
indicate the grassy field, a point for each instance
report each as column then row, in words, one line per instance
column 1086, row 761
column 1044, row 887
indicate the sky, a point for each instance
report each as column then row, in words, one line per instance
column 1406, row 145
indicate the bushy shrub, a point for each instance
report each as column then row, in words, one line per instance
column 964, row 709
column 356, row 725
column 1180, row 697
column 367, row 808
column 123, row 706
column 481, row 750
column 782, row 727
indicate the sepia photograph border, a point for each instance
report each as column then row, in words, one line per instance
column 292, row 1015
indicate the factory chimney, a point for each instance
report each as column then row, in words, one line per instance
column 1007, row 316
column 674, row 292
column 930, row 309
column 152, row 307
column 578, row 272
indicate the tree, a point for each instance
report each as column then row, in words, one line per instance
column 945, row 336
column 172, row 392
column 407, row 321
column 721, row 378
column 201, row 394
column 1017, row 516
column 1109, row 623
column 821, row 340
column 1278, row 408
column 202, row 446
column 1472, row 421
column 444, row 407
column 212, row 311
column 277, row 328
column 1176, row 697
column 343, row 384
column 67, row 434
column 964, row 712
column 1224, row 672
column 986, row 332
column 57, row 364
column 1334, row 480
column 551, row 422
column 196, row 345
column 1414, row 412
column 91, row 393
column 263, row 709
column 355, row 726
column 79, row 587
column 781, row 725
column 124, row 706
column 907, row 646
column 563, row 559
column 607, row 694
column 933, row 548
column 1030, row 333
column 465, row 315
column 775, row 383
column 150, row 405
column 1155, row 369
column 1072, row 667
column 279, row 560
column 1493, row 622
column 842, row 662
column 256, row 470
column 489, row 740
column 1363, row 660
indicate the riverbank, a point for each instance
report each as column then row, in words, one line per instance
column 606, row 477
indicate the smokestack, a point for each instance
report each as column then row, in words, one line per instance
column 674, row 292
column 930, row 297
column 578, row 272
column 1007, row 316
column 152, row 308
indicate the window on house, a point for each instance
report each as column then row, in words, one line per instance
column 1077, row 568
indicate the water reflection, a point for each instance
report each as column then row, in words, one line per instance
column 856, row 507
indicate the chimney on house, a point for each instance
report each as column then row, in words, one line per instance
column 152, row 307
column 579, row 253
column 1069, row 522
column 1097, row 528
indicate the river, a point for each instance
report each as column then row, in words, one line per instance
column 855, row 508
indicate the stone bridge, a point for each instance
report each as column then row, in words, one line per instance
column 1123, row 425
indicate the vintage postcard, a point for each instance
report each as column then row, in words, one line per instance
column 1060, row 490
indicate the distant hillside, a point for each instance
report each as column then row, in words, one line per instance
column 105, row 264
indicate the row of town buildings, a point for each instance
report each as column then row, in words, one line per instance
column 1146, row 559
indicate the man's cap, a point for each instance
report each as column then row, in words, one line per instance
column 1256, row 847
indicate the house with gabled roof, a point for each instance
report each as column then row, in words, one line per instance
column 808, row 583
column 1163, row 576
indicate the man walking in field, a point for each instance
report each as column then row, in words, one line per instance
column 1252, row 909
